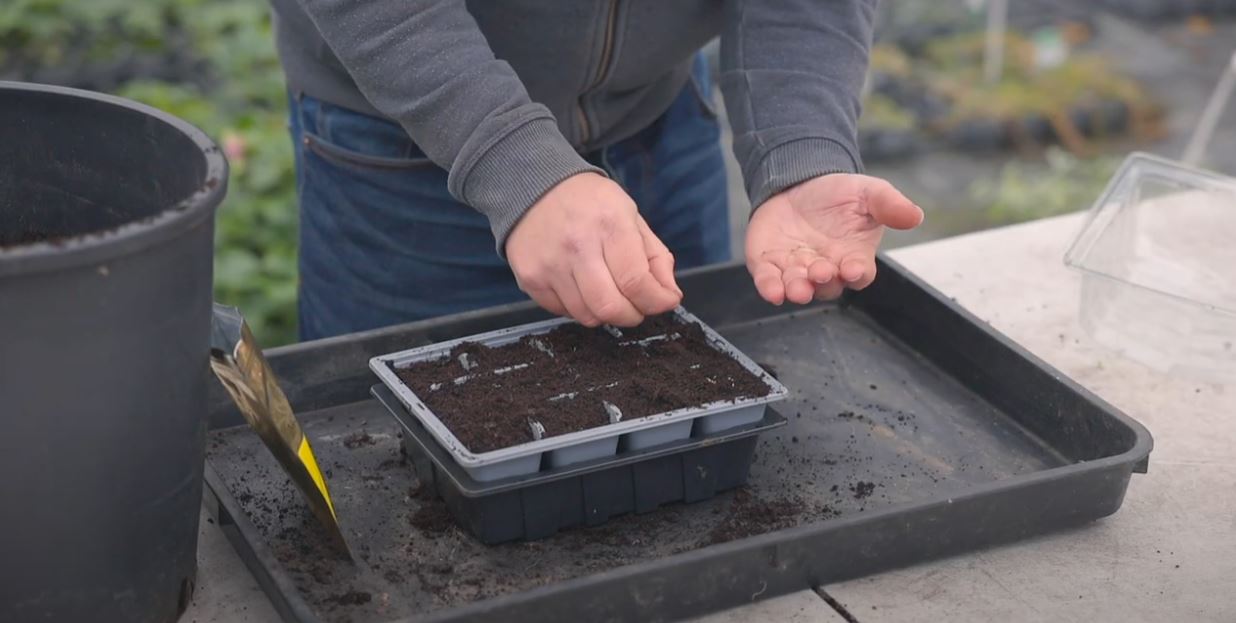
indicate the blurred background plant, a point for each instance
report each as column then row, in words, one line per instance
column 213, row 63
column 1046, row 93
column 1026, row 191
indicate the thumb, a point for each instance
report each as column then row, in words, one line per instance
column 889, row 207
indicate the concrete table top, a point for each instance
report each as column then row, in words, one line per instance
column 1169, row 553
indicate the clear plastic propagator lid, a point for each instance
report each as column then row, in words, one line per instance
column 1158, row 258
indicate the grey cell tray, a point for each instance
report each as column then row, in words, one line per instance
column 586, row 445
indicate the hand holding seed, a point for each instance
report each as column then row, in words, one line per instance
column 583, row 251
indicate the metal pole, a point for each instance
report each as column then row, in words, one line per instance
column 1210, row 116
column 993, row 54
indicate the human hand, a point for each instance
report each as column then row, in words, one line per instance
column 815, row 239
column 584, row 251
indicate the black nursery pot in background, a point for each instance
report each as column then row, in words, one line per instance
column 106, row 227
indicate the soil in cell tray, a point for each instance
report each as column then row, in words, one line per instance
column 563, row 379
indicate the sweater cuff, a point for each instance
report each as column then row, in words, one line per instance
column 516, row 171
column 795, row 162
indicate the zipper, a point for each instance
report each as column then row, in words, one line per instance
column 607, row 51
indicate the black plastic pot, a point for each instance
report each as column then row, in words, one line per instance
column 104, row 329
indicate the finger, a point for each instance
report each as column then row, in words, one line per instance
column 798, row 288
column 568, row 294
column 596, row 286
column 627, row 262
column 858, row 272
column 830, row 291
column 550, row 301
column 660, row 260
column 768, row 281
column 852, row 269
column 822, row 271
column 889, row 207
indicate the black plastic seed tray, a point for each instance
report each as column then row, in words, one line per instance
column 589, row 494
column 913, row 432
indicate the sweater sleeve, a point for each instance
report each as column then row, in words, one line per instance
column 426, row 64
column 792, row 71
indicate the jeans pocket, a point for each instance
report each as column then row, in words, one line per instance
column 344, row 156
column 701, row 86
column 352, row 139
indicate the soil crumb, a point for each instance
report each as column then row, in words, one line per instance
column 359, row 439
column 862, row 489
column 749, row 515
column 432, row 516
column 353, row 598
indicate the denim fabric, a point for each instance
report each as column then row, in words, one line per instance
column 383, row 242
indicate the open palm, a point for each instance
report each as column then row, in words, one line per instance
column 817, row 238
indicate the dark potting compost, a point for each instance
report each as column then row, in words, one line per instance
column 563, row 379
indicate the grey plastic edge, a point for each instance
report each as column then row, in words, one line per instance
column 526, row 458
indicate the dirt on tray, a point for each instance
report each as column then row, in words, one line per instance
column 353, row 598
column 913, row 442
column 564, row 379
column 862, row 489
column 412, row 558
column 359, row 439
column 748, row 515
column 432, row 517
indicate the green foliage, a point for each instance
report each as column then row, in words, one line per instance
column 239, row 100
column 954, row 65
column 880, row 111
column 890, row 60
column 46, row 32
column 1027, row 191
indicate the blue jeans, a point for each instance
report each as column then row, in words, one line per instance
column 383, row 242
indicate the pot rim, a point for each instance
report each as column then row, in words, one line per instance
column 99, row 247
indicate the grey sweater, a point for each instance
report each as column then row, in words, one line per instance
column 506, row 94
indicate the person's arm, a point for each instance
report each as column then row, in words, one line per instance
column 574, row 239
column 426, row 64
column 792, row 72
